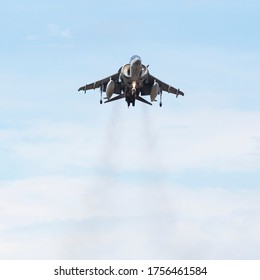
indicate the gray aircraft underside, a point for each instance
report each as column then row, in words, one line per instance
column 132, row 81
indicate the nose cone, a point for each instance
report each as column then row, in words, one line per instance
column 135, row 60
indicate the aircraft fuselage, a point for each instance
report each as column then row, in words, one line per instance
column 133, row 76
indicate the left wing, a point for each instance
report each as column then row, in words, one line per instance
column 102, row 83
column 163, row 86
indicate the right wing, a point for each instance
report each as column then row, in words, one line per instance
column 164, row 86
column 102, row 83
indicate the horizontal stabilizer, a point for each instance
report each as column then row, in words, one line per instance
column 120, row 96
column 143, row 100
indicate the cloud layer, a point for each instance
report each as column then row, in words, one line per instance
column 93, row 218
column 117, row 199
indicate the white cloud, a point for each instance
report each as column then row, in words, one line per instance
column 54, row 35
column 94, row 218
column 56, row 31
column 222, row 140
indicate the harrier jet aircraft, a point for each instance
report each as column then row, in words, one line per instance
column 131, row 82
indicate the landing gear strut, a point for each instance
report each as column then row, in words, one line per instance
column 101, row 101
column 160, row 99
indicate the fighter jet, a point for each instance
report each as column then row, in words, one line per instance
column 131, row 82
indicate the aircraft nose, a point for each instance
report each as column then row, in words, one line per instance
column 136, row 61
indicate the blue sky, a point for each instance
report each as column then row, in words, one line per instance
column 84, row 181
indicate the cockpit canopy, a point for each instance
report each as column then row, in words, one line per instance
column 135, row 57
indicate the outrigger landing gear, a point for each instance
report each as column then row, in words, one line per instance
column 160, row 99
column 101, row 101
